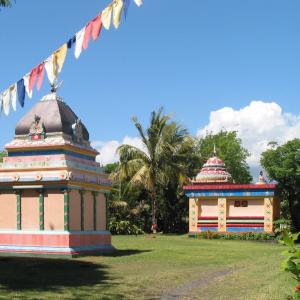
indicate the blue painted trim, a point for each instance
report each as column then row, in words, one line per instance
column 231, row 193
column 51, row 152
column 207, row 228
column 245, row 229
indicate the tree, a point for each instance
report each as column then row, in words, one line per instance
column 5, row 3
column 230, row 150
column 282, row 164
column 2, row 154
column 163, row 158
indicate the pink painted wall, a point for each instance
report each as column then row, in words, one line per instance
column 75, row 210
column 88, row 211
column 30, row 210
column 255, row 208
column 101, row 212
column 54, row 210
column 208, row 208
column 8, row 211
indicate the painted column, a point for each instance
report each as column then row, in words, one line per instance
column 82, row 209
column 193, row 215
column 95, row 194
column 222, row 207
column 19, row 210
column 66, row 210
column 268, row 215
column 42, row 212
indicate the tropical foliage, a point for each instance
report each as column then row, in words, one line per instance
column 292, row 259
column 164, row 164
column 5, row 3
column 248, row 236
column 2, row 154
column 282, row 164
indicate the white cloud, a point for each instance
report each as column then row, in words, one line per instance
column 108, row 149
column 257, row 124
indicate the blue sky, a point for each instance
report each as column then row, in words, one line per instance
column 192, row 57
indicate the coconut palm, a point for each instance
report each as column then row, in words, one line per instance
column 160, row 159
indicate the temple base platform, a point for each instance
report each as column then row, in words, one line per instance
column 55, row 244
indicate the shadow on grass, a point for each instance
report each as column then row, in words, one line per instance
column 40, row 274
column 127, row 252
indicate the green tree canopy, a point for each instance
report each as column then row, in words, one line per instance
column 5, row 3
column 229, row 148
column 2, row 154
column 282, row 164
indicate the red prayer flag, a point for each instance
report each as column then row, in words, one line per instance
column 40, row 75
column 87, row 35
column 32, row 78
column 97, row 25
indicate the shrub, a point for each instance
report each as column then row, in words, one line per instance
column 282, row 225
column 249, row 236
column 123, row 227
column 292, row 261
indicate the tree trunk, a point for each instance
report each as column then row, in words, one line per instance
column 295, row 212
column 154, row 221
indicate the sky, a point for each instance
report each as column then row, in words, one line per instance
column 214, row 64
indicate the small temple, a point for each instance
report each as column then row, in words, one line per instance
column 216, row 203
column 52, row 190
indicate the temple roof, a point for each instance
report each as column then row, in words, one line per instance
column 55, row 114
column 213, row 171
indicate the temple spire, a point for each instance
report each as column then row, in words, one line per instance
column 214, row 152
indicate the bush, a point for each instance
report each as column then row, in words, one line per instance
column 123, row 227
column 282, row 225
column 292, row 262
column 248, row 236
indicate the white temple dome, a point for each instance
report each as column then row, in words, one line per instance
column 213, row 170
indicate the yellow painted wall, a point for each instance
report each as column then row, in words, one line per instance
column 208, row 208
column 255, row 208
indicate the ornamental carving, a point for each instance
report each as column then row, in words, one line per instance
column 77, row 129
column 37, row 126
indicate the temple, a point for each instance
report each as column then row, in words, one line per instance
column 52, row 191
column 218, row 204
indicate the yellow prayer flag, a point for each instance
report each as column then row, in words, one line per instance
column 59, row 57
column 117, row 9
column 106, row 17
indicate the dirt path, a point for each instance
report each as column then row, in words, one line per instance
column 183, row 291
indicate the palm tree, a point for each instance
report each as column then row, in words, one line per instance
column 5, row 3
column 160, row 159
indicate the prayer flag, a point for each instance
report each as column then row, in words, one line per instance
column 21, row 92
column 106, row 17
column 138, row 2
column 79, row 42
column 40, row 75
column 126, row 7
column 97, row 25
column 49, row 69
column 26, row 84
column 117, row 9
column 59, row 57
column 13, row 96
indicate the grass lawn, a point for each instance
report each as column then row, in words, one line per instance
column 165, row 267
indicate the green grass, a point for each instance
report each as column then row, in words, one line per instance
column 165, row 267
